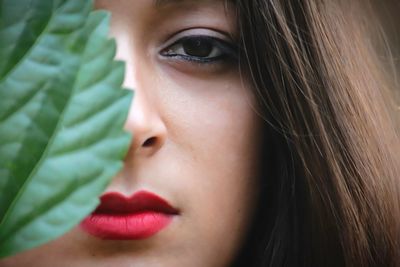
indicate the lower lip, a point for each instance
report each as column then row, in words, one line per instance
column 126, row 226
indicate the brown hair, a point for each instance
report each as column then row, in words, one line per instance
column 331, row 189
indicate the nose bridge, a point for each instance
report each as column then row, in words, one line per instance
column 126, row 52
column 142, row 117
column 143, row 120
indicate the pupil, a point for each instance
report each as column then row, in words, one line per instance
column 197, row 47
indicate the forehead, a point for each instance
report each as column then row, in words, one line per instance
column 157, row 8
column 150, row 15
column 160, row 4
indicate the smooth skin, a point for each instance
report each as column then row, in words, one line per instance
column 197, row 140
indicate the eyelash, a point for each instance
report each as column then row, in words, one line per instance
column 229, row 51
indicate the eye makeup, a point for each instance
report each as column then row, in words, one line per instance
column 201, row 49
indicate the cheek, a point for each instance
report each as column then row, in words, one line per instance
column 215, row 129
column 226, row 182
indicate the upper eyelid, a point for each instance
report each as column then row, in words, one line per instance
column 210, row 38
column 217, row 35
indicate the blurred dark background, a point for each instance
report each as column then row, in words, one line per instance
column 389, row 13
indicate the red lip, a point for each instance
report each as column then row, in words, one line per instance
column 128, row 218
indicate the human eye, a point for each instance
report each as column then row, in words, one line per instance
column 201, row 49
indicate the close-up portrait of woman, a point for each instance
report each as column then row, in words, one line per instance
column 265, row 133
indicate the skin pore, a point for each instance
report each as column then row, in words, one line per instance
column 197, row 139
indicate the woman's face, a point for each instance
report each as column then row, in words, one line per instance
column 197, row 140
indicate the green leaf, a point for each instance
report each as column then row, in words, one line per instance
column 62, row 111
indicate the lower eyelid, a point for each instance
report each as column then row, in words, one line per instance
column 197, row 68
column 194, row 67
column 200, row 62
column 176, row 55
column 185, row 60
column 224, row 58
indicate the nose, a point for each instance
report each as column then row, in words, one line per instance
column 144, row 121
column 145, row 124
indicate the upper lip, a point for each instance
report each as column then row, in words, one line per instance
column 116, row 203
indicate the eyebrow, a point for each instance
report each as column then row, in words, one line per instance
column 162, row 3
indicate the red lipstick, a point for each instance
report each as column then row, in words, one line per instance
column 129, row 218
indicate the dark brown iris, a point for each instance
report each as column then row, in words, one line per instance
column 197, row 47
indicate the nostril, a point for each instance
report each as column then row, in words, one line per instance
column 150, row 142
